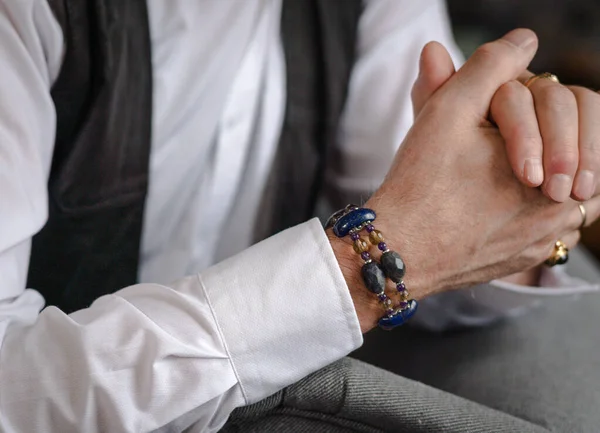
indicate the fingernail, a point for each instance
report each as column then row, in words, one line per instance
column 522, row 38
column 559, row 187
column 533, row 171
column 585, row 184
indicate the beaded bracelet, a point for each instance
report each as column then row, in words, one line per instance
column 351, row 221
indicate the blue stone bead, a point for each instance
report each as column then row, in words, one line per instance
column 337, row 214
column 352, row 219
column 400, row 317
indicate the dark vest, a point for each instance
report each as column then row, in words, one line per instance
column 103, row 97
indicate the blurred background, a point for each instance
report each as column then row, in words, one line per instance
column 569, row 42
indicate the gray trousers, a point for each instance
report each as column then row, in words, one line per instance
column 351, row 396
column 537, row 373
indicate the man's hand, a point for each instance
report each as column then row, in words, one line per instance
column 450, row 204
column 552, row 131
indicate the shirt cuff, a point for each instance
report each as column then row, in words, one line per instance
column 283, row 308
column 485, row 304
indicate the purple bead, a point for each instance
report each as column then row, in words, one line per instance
column 382, row 297
column 382, row 246
column 365, row 256
column 355, row 236
column 370, row 228
column 401, row 287
column 403, row 304
column 389, row 311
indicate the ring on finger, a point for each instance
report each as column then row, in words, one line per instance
column 545, row 75
column 560, row 256
column 583, row 215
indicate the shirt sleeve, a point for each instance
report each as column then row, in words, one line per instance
column 377, row 116
column 378, row 111
column 149, row 357
column 153, row 356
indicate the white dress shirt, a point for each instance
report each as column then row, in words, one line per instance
column 238, row 323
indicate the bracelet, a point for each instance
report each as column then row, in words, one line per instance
column 351, row 220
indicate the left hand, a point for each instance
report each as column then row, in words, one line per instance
column 553, row 126
column 552, row 131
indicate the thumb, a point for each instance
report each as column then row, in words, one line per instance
column 435, row 68
column 492, row 65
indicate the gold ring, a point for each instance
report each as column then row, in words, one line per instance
column 560, row 256
column 583, row 215
column 546, row 75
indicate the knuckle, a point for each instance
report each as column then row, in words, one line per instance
column 511, row 94
column 514, row 89
column 564, row 160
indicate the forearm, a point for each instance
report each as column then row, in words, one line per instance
column 237, row 333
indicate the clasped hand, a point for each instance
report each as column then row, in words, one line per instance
column 459, row 201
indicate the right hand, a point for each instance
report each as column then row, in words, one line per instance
column 450, row 204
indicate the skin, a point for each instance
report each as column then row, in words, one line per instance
column 451, row 204
column 552, row 131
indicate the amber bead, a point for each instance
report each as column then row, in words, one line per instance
column 360, row 246
column 376, row 237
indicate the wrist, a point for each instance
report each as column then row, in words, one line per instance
column 380, row 296
column 416, row 255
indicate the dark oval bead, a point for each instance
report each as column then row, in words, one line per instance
column 393, row 266
column 400, row 317
column 373, row 277
column 352, row 219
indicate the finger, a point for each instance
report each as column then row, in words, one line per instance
column 592, row 213
column 556, row 109
column 493, row 64
column 513, row 111
column 571, row 217
column 585, row 182
column 435, row 68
